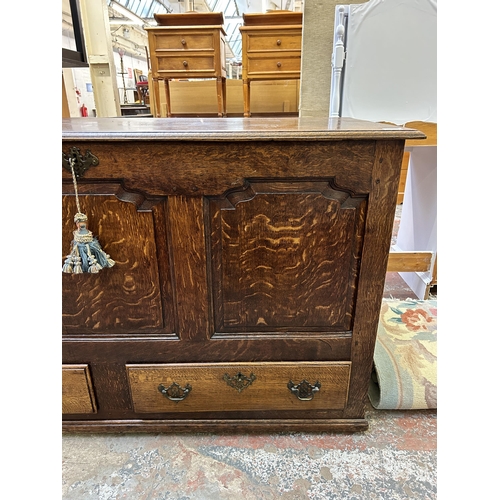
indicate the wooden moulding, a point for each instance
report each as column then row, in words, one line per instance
column 190, row 19
column 272, row 18
column 220, row 426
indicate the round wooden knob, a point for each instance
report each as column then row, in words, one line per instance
column 278, row 42
column 279, row 65
column 183, row 41
column 185, row 63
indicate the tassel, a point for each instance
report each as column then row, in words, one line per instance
column 94, row 266
column 77, row 261
column 86, row 255
column 68, row 265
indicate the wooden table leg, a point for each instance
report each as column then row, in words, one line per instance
column 167, row 98
column 221, row 96
column 224, row 97
column 156, row 97
column 246, row 98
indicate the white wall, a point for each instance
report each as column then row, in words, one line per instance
column 391, row 64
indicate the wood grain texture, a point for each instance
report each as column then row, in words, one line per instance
column 126, row 297
column 77, row 391
column 377, row 236
column 218, row 426
column 186, row 220
column 210, row 391
column 217, row 167
column 257, row 243
column 285, row 256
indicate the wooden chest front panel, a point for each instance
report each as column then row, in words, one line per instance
column 285, row 257
column 238, row 248
column 77, row 392
column 217, row 387
column 130, row 297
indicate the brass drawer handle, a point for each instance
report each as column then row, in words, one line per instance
column 185, row 63
column 279, row 65
column 175, row 392
column 304, row 391
column 183, row 41
column 239, row 381
column 278, row 42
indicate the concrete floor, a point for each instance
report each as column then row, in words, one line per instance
column 394, row 460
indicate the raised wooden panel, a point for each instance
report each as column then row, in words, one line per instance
column 128, row 296
column 238, row 386
column 285, row 256
column 77, row 392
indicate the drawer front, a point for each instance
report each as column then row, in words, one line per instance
column 239, row 386
column 272, row 41
column 186, row 63
column 185, row 41
column 276, row 65
column 77, row 393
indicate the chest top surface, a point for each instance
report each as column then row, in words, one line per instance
column 231, row 129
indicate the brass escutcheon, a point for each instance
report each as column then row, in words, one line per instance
column 80, row 162
column 239, row 381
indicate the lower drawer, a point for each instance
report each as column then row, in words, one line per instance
column 278, row 63
column 239, row 386
column 77, row 392
column 185, row 63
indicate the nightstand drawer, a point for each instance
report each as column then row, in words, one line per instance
column 77, row 393
column 239, row 386
column 274, row 41
column 184, row 41
column 186, row 63
column 276, row 64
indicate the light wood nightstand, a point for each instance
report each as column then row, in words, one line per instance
column 188, row 46
column 271, row 49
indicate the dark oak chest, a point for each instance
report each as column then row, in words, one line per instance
column 250, row 264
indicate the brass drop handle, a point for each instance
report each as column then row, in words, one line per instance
column 175, row 392
column 278, row 42
column 279, row 65
column 304, row 390
column 183, row 41
column 185, row 63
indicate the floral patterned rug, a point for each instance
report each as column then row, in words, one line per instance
column 405, row 361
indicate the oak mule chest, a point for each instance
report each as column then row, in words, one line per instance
column 250, row 257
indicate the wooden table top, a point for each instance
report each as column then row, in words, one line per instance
column 228, row 129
